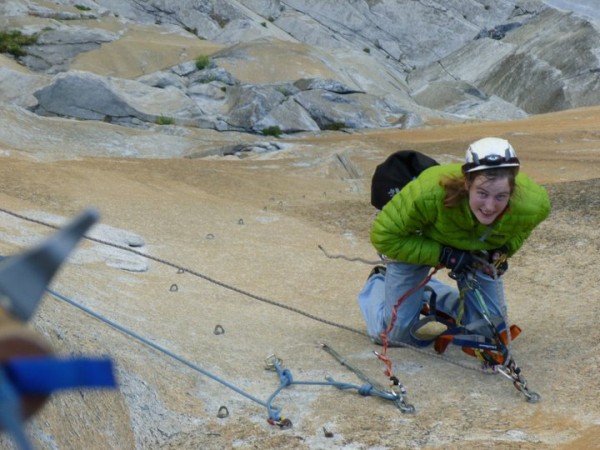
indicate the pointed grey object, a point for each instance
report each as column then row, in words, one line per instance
column 24, row 277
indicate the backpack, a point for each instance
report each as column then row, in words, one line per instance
column 396, row 172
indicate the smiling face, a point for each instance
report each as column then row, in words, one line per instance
column 488, row 197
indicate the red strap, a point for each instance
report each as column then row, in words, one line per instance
column 384, row 335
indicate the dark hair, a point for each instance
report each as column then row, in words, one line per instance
column 457, row 189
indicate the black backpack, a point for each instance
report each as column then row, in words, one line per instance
column 395, row 172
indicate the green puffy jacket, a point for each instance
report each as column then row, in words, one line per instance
column 414, row 225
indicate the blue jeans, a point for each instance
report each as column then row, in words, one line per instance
column 380, row 295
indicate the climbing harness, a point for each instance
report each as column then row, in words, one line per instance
column 486, row 339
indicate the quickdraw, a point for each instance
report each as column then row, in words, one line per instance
column 513, row 373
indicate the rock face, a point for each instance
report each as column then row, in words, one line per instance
column 87, row 96
column 368, row 64
column 157, row 113
column 533, row 71
column 56, row 48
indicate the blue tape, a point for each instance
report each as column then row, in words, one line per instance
column 43, row 375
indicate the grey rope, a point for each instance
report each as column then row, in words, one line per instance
column 182, row 269
column 347, row 258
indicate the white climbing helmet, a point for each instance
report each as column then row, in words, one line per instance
column 490, row 153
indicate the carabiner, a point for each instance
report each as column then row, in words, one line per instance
column 272, row 362
column 282, row 423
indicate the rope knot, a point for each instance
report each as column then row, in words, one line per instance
column 365, row 390
column 286, row 377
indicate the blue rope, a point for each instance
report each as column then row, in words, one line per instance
column 285, row 376
column 156, row 347
column 286, row 379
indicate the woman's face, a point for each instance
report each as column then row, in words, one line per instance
column 488, row 198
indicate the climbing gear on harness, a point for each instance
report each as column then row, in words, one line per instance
column 487, row 339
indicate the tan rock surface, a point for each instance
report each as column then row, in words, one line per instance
column 255, row 224
column 142, row 49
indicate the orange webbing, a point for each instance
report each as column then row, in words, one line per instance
column 495, row 356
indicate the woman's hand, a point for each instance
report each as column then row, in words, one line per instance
column 458, row 261
column 497, row 258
